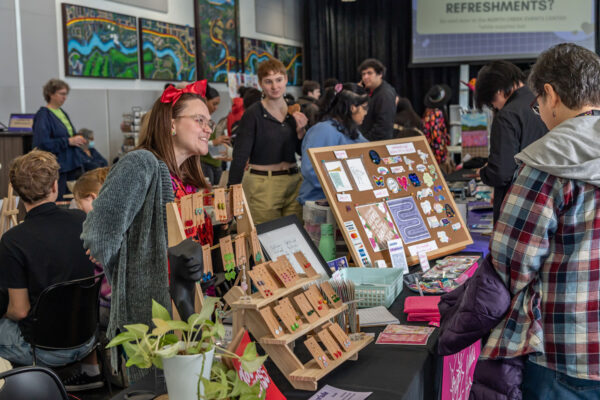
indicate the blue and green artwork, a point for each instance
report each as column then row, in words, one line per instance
column 168, row 51
column 99, row 43
column 255, row 52
column 291, row 57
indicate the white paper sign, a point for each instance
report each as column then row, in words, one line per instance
column 361, row 178
column 397, row 255
column 331, row 393
column 340, row 154
column 400, row 148
column 424, row 261
column 381, row 193
column 338, row 176
column 426, row 247
column 344, row 197
column 381, row 264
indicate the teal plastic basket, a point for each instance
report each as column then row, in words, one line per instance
column 374, row 286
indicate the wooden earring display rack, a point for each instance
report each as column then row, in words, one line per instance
column 256, row 315
column 9, row 212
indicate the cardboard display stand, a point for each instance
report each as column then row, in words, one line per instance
column 389, row 190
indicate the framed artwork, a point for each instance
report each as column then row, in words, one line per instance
column 285, row 236
column 217, row 37
column 168, row 51
column 99, row 44
column 291, row 57
column 255, row 52
column 398, row 194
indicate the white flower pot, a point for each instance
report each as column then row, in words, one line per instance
column 183, row 372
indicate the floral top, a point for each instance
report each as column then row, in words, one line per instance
column 202, row 234
column 436, row 133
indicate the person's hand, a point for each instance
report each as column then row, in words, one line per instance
column 77, row 141
column 301, row 122
column 222, row 140
column 92, row 259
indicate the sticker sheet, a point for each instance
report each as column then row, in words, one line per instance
column 359, row 174
column 377, row 224
column 338, row 176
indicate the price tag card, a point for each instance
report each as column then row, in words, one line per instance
column 424, row 261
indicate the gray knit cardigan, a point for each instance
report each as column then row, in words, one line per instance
column 126, row 232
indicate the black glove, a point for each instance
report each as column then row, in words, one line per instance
column 186, row 265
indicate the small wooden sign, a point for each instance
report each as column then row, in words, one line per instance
column 198, row 206
column 331, row 295
column 330, row 344
column 272, row 323
column 240, row 250
column 257, row 253
column 237, row 196
column 338, row 333
column 207, row 259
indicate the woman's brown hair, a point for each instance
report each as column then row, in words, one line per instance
column 90, row 183
column 158, row 140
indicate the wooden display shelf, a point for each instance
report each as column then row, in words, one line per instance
column 259, row 302
column 306, row 378
column 290, row 337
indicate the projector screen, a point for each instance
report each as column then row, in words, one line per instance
column 480, row 30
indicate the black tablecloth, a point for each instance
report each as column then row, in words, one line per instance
column 389, row 371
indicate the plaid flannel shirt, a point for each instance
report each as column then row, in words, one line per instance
column 546, row 248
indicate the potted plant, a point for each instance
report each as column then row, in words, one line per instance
column 226, row 384
column 185, row 360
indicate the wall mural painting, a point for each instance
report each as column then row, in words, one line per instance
column 291, row 57
column 99, row 43
column 168, row 51
column 255, row 52
column 217, row 38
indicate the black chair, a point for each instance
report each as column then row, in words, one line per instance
column 65, row 316
column 31, row 383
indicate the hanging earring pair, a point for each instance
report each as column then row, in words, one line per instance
column 173, row 133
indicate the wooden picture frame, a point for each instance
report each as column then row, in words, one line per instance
column 397, row 160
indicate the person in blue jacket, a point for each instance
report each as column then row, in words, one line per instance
column 343, row 108
column 54, row 132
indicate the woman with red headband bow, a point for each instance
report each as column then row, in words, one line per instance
column 126, row 230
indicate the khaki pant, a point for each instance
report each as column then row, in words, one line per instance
column 272, row 197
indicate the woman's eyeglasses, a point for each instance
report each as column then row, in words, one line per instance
column 200, row 120
column 535, row 107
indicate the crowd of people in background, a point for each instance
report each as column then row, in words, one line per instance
column 542, row 166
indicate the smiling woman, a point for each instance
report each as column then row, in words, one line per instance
column 125, row 232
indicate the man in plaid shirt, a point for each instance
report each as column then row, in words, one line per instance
column 546, row 243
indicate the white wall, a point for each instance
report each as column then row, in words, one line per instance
column 96, row 104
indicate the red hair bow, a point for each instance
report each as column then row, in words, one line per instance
column 172, row 94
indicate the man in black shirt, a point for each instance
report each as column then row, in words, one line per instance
column 43, row 250
column 379, row 121
column 515, row 126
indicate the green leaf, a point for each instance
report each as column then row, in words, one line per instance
column 121, row 338
column 158, row 311
column 139, row 330
column 208, row 308
column 253, row 365
column 168, row 351
column 130, row 349
column 139, row 361
column 220, row 330
column 168, row 339
column 178, row 325
column 250, row 352
column 162, row 327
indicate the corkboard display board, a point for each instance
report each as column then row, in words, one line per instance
column 385, row 190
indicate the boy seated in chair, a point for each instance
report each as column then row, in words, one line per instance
column 43, row 250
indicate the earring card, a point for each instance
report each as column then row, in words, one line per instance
column 240, row 250
column 330, row 344
column 198, row 206
column 287, row 317
column 237, row 200
column 287, row 304
column 257, row 253
column 283, row 273
column 272, row 323
column 207, row 259
column 340, row 336
column 262, row 280
column 220, row 204
column 317, row 352
column 331, row 295
column 307, row 310
column 316, row 300
column 306, row 266
column 187, row 214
